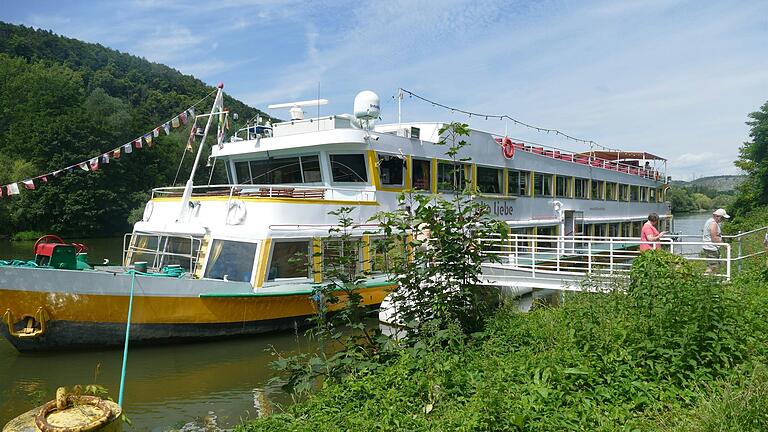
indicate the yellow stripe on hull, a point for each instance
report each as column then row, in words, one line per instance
column 167, row 310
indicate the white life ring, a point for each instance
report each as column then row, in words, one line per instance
column 236, row 212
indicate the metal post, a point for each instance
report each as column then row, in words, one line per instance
column 217, row 104
column 738, row 255
column 589, row 256
column 728, row 262
column 610, row 252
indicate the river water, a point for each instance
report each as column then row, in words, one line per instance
column 167, row 387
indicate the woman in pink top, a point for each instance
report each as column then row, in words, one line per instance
column 650, row 234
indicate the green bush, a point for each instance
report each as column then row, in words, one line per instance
column 627, row 360
column 26, row 235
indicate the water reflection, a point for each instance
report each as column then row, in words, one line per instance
column 167, row 387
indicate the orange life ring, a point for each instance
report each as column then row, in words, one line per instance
column 508, row 148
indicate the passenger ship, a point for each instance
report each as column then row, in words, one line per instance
column 237, row 243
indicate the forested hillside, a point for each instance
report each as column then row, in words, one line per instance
column 63, row 101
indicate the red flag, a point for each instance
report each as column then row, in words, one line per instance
column 29, row 184
column 44, row 178
column 94, row 163
column 137, row 143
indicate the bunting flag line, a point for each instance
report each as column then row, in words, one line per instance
column 94, row 163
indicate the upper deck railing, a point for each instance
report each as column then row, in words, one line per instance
column 589, row 160
column 270, row 191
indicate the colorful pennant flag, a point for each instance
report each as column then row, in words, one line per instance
column 167, row 128
column 148, row 139
column 191, row 112
column 29, row 184
column 13, row 189
column 94, row 163
column 127, row 148
column 116, row 154
column 105, row 158
column 175, row 122
column 156, row 132
column 83, row 166
column 44, row 178
column 183, row 117
column 137, row 143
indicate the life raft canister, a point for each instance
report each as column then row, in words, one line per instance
column 508, row 148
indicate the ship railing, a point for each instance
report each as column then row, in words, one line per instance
column 652, row 173
column 295, row 191
column 161, row 249
column 549, row 256
column 748, row 247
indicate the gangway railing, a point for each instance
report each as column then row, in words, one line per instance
column 161, row 249
column 557, row 260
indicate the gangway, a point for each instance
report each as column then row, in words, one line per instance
column 528, row 261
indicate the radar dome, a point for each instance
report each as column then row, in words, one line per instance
column 367, row 105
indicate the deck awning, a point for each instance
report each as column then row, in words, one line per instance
column 613, row 155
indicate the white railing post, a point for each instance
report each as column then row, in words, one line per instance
column 534, row 245
column 589, row 256
column 728, row 262
column 610, row 253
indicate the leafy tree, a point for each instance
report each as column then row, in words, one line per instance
column 753, row 159
column 702, row 201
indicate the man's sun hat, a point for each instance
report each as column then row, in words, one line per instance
column 721, row 212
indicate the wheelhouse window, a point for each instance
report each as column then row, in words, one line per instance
column 231, row 260
column 290, row 259
column 542, row 185
column 421, row 174
column 348, row 168
column 597, row 189
column 451, row 176
column 391, row 170
column 580, row 188
column 561, row 186
column 490, row 180
column 519, row 183
column 160, row 250
column 300, row 169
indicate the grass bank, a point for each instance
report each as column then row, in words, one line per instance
column 677, row 349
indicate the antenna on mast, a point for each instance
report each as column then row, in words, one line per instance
column 295, row 107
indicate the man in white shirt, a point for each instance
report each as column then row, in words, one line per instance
column 712, row 236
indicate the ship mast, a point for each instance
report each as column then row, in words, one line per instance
column 218, row 108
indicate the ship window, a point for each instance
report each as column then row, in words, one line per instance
column 243, row 172
column 385, row 253
column 391, row 170
column 643, row 194
column 561, row 186
column 421, row 174
column 519, row 182
column 580, row 188
column 652, row 194
column 599, row 230
column 597, row 189
column 610, row 191
column 304, row 169
column 348, row 168
column 544, row 239
column 623, row 192
column 626, row 229
column 231, row 260
column 634, row 193
column 341, row 259
column 542, row 184
column 490, row 180
column 181, row 251
column 636, row 228
column 290, row 259
column 613, row 230
column 451, row 176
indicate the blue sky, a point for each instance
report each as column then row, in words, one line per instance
column 676, row 78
